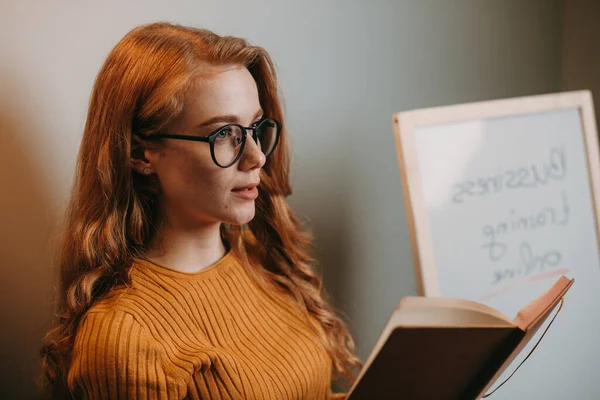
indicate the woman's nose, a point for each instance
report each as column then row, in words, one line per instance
column 252, row 156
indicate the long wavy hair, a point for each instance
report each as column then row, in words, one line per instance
column 112, row 214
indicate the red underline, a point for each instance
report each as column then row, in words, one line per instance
column 547, row 274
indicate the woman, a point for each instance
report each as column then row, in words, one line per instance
column 184, row 273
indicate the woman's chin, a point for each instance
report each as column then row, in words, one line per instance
column 241, row 217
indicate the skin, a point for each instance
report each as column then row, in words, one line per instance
column 196, row 194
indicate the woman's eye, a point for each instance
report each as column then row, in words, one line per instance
column 223, row 133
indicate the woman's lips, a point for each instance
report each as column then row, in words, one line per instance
column 246, row 193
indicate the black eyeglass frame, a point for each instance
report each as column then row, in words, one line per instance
column 212, row 137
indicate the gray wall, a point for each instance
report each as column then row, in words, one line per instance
column 345, row 67
column 581, row 48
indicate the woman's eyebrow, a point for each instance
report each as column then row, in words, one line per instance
column 227, row 118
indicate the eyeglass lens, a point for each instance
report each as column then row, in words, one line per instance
column 228, row 141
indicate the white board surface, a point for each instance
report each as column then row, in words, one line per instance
column 502, row 203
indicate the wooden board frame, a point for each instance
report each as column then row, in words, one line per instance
column 405, row 125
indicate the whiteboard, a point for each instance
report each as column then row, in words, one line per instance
column 501, row 198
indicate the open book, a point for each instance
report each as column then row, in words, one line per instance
column 441, row 348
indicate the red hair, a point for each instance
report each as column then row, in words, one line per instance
column 140, row 90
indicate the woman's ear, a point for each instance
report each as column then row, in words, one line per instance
column 139, row 159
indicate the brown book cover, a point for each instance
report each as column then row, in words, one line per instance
column 440, row 348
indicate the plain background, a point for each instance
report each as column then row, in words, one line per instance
column 344, row 67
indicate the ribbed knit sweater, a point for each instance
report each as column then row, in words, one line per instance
column 214, row 334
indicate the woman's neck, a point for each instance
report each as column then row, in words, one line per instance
column 187, row 248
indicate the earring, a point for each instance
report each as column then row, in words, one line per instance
column 147, row 171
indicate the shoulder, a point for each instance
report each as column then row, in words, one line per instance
column 110, row 324
column 115, row 356
column 125, row 304
column 109, row 330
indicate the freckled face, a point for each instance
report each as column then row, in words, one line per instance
column 193, row 188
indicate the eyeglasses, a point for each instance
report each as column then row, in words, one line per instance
column 227, row 143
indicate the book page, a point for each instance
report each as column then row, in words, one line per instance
column 437, row 311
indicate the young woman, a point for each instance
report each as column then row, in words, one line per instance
column 184, row 273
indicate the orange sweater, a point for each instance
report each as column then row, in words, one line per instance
column 214, row 334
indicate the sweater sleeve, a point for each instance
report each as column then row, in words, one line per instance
column 114, row 357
